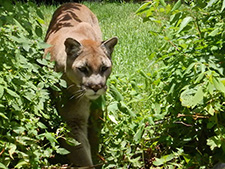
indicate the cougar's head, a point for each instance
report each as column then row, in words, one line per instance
column 89, row 65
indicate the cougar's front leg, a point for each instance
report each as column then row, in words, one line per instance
column 79, row 155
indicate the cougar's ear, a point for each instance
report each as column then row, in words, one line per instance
column 73, row 47
column 109, row 44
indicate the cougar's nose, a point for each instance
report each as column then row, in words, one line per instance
column 95, row 87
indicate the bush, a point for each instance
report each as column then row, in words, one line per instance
column 187, row 91
column 29, row 124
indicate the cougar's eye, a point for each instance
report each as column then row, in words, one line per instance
column 104, row 68
column 83, row 69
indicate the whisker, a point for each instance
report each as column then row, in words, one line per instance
column 73, row 85
column 80, row 96
column 78, row 91
column 70, row 86
column 77, row 94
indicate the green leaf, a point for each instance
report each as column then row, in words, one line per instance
column 223, row 6
column 187, row 71
column 50, row 137
column 152, row 55
column 12, row 93
column 184, row 23
column 26, row 46
column 113, row 107
column 3, row 166
column 163, row 159
column 40, row 14
column 211, row 2
column 63, row 83
column 20, row 40
column 214, row 32
column 19, row 25
column 191, row 97
column 172, row 88
column 219, row 85
column 43, row 45
column 139, row 133
column 71, row 141
column 163, row 3
column 150, row 120
column 186, row 97
column 112, row 118
column 19, row 129
column 38, row 31
column 3, row 116
column 144, row 74
column 115, row 93
column 42, row 62
column 41, row 125
column 200, row 77
column 62, row 151
column 157, row 108
column 22, row 163
column 175, row 17
column 198, row 97
column 210, row 110
column 210, row 88
column 215, row 141
column 176, row 6
column 12, row 149
column 143, row 8
column 112, row 166
column 124, row 108
column 56, row 88
column 1, row 91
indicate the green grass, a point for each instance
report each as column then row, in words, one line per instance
column 135, row 42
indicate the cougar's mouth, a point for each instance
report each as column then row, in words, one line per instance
column 94, row 94
column 92, row 97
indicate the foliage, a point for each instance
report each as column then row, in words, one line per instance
column 188, row 88
column 29, row 124
column 164, row 107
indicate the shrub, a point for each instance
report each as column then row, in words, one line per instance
column 187, row 91
column 29, row 124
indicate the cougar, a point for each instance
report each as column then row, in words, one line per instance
column 85, row 60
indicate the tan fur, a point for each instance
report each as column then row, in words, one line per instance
column 85, row 61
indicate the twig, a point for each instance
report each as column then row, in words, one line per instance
column 180, row 122
column 195, row 116
column 177, row 49
column 3, row 150
column 101, row 158
column 198, row 27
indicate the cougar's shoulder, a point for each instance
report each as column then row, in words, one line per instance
column 70, row 15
